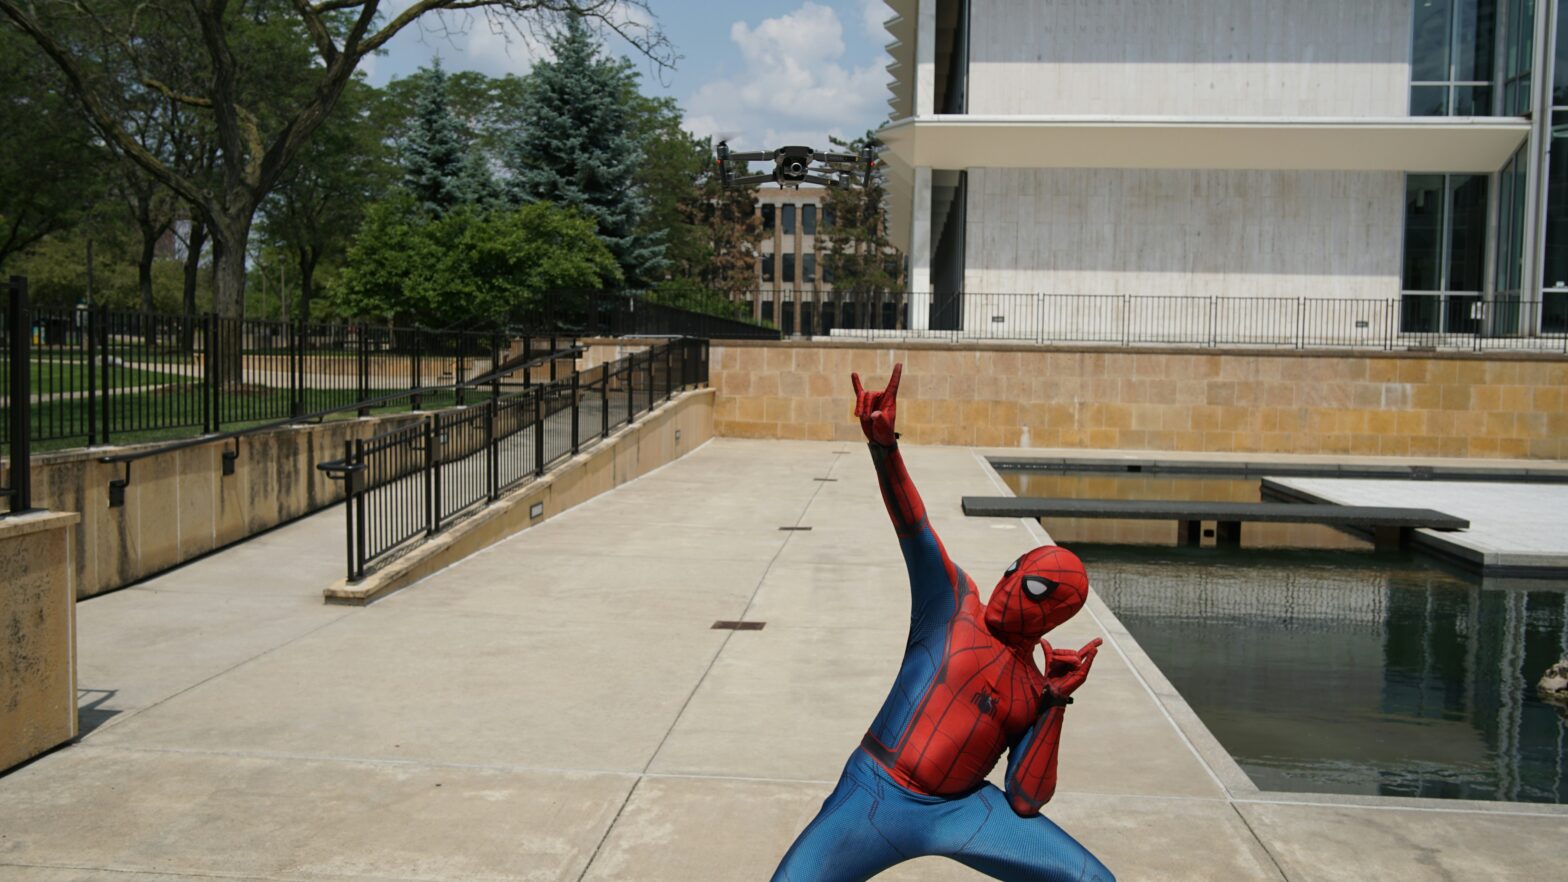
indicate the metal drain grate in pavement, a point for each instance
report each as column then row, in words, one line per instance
column 737, row 626
column 796, row 529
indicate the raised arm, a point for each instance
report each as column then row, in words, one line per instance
column 1031, row 763
column 932, row 575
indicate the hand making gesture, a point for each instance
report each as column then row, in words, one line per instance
column 1066, row 669
column 876, row 410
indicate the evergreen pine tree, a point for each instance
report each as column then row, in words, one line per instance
column 439, row 168
column 577, row 147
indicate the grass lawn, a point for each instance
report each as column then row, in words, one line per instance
column 48, row 375
column 175, row 412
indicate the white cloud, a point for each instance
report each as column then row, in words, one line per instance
column 872, row 14
column 794, row 88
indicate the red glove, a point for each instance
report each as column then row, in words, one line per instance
column 1066, row 670
column 876, row 410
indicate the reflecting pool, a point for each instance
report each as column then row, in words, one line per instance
column 1353, row 673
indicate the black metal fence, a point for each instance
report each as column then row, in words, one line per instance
column 15, row 420
column 1412, row 321
column 617, row 315
column 99, row 376
column 412, row 482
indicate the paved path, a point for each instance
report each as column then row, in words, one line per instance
column 558, row 708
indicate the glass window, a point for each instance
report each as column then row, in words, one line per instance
column 808, row 266
column 787, row 219
column 1510, row 223
column 827, row 273
column 1519, row 44
column 808, row 219
column 1428, row 100
column 1423, row 233
column 1467, row 233
column 1554, row 269
column 827, row 217
column 1475, row 35
column 767, row 218
column 1560, row 68
column 788, row 268
column 1429, row 44
column 767, row 267
column 1470, row 101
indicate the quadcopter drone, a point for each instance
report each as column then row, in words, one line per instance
column 792, row 167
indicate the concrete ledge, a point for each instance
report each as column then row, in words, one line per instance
column 627, row 454
column 38, row 651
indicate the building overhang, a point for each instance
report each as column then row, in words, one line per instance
column 1400, row 144
column 1411, row 144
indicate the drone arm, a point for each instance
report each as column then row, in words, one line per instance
column 748, row 180
column 818, row 179
column 749, row 157
column 835, row 157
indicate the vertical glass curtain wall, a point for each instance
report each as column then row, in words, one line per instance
column 1451, row 57
column 1445, row 253
column 1554, row 263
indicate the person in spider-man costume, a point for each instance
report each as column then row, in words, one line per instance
column 968, row 689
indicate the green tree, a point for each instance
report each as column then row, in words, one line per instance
column 487, row 108
column 718, row 231
column 471, row 267
column 439, row 167
column 325, row 194
column 51, row 169
column 864, row 265
column 578, row 146
column 269, row 75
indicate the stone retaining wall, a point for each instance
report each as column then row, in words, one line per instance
column 1372, row 403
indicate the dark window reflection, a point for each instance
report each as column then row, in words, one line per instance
column 1472, row 101
column 787, row 219
column 808, row 267
column 767, row 218
column 808, row 219
column 1474, row 36
column 1428, row 100
column 767, row 267
column 1467, row 239
column 1423, row 232
column 1429, row 41
column 787, row 267
column 1554, row 272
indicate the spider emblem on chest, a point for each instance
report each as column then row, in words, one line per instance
column 985, row 701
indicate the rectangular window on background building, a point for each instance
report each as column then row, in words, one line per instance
column 1554, row 265
column 808, row 219
column 808, row 267
column 787, row 268
column 1518, row 56
column 1452, row 47
column 767, row 267
column 1445, row 252
column 827, row 218
column 767, row 218
column 787, row 219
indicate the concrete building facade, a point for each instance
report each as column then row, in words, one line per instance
column 1390, row 153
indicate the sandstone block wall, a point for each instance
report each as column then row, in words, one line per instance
column 1389, row 404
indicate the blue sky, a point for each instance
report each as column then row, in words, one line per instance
column 762, row 73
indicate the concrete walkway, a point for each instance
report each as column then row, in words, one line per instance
column 559, row 708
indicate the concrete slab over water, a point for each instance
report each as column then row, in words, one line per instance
column 559, row 708
column 1515, row 529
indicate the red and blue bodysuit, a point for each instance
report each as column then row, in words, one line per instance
column 967, row 690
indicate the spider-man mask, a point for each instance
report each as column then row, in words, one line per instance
column 1039, row 591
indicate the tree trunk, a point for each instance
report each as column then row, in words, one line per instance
column 193, row 247
column 144, row 283
column 229, row 237
column 307, row 280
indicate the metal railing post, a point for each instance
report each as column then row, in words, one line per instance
column 432, row 508
column 1301, row 319
column 631, row 390
column 538, row 430
column 433, row 437
column 296, row 331
column 553, row 350
column 490, row 450
column 604, row 400
column 20, row 325
column 348, row 505
column 528, row 354
column 669, row 371
column 92, row 380
column 414, row 376
column 364, row 370
column 575, row 437
column 495, row 364
column 209, row 359
column 650, row 379
column 359, row 503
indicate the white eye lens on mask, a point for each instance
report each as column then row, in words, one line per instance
column 1013, row 567
column 1037, row 587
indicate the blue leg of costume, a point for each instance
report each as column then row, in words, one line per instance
column 870, row 823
